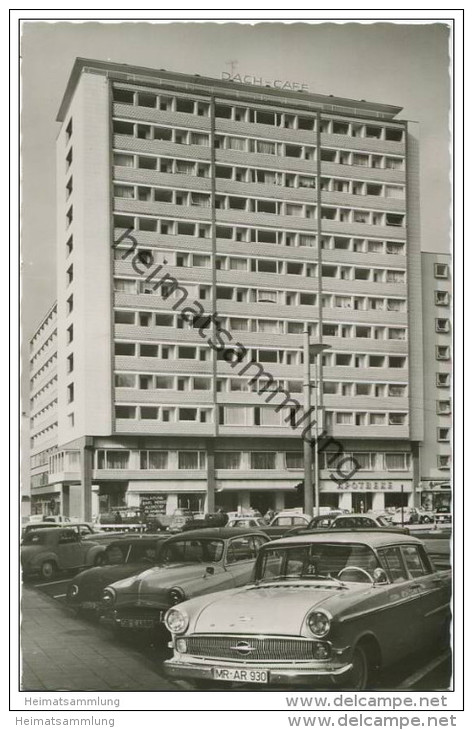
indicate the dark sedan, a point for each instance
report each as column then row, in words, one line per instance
column 122, row 558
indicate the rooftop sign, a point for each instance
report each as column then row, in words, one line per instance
column 261, row 81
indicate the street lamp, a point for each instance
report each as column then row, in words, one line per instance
column 311, row 350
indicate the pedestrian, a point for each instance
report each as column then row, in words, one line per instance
column 118, row 518
column 222, row 517
column 269, row 515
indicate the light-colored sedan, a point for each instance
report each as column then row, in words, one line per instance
column 324, row 609
column 189, row 564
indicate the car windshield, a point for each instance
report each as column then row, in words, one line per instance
column 192, row 551
column 347, row 562
column 35, row 537
column 383, row 521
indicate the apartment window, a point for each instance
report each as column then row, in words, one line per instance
column 444, row 407
column 366, row 460
column 394, row 219
column 395, row 247
column 442, row 325
column 122, row 160
column 294, row 460
column 70, row 420
column 393, row 135
column 69, row 158
column 362, row 389
column 443, row 461
column 69, row 245
column 396, row 362
column 397, row 419
column 125, row 412
column 442, row 298
column 192, row 460
column 70, row 304
column 69, row 130
column 376, row 361
column 125, row 380
column 397, row 461
column 70, row 334
column 69, row 215
column 69, row 186
column 124, row 348
column 443, row 380
column 148, row 350
column 149, row 413
column 125, row 318
column 186, row 353
column 443, row 434
column 343, row 418
column 153, row 459
column 263, row 460
column 70, row 363
column 164, row 382
column 441, row 271
column 343, row 359
column 377, row 419
column 70, row 393
column 396, row 391
column 164, row 320
column 70, row 274
column 395, row 333
column 228, row 460
column 442, row 352
column 108, row 459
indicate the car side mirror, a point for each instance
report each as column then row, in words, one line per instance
column 379, row 577
column 210, row 570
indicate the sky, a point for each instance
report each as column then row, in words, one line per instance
column 401, row 64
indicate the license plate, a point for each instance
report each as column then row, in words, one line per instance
column 137, row 623
column 240, row 674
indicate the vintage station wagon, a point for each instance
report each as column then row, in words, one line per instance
column 323, row 609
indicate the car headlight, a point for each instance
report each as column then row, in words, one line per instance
column 176, row 621
column 73, row 590
column 319, row 623
column 176, row 595
column 108, row 597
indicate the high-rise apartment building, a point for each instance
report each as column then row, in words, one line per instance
column 202, row 226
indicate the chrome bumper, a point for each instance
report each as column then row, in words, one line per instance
column 297, row 675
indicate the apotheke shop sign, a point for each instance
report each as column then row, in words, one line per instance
column 260, row 81
column 367, row 486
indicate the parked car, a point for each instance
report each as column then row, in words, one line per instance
column 190, row 564
column 247, row 522
column 85, row 528
column 349, row 522
column 411, row 516
column 122, row 558
column 284, row 521
column 321, row 610
column 45, row 552
column 442, row 516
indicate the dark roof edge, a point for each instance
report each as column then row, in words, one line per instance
column 296, row 96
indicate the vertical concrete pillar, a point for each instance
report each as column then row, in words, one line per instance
column 378, row 502
column 345, row 501
column 415, row 496
column 86, row 466
column 211, row 477
column 65, row 502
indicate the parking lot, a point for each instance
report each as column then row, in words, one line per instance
column 64, row 652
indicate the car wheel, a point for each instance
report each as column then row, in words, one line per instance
column 99, row 560
column 48, row 569
column 357, row 677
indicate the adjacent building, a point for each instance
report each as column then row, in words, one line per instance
column 436, row 449
column 202, row 226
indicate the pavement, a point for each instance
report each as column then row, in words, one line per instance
column 64, row 653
